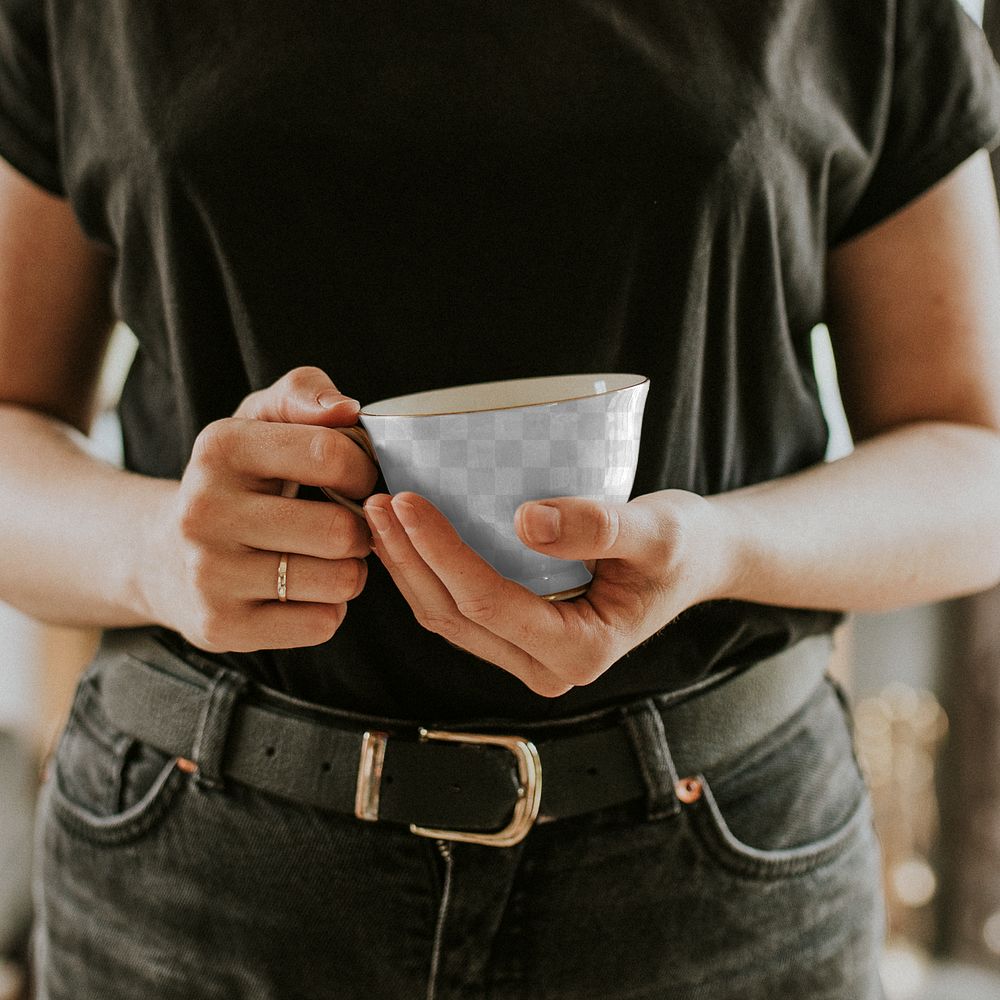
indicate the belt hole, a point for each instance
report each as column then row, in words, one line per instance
column 269, row 751
column 592, row 771
column 326, row 766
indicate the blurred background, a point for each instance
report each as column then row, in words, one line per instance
column 925, row 683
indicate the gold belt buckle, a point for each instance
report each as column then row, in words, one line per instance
column 529, row 792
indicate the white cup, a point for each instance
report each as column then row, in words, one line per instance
column 477, row 452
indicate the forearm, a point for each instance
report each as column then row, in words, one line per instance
column 911, row 516
column 74, row 529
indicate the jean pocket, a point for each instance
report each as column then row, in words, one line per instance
column 106, row 786
column 796, row 803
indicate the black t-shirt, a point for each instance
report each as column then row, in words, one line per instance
column 413, row 195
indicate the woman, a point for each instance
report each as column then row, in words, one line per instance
column 296, row 209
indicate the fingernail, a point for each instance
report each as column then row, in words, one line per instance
column 406, row 514
column 330, row 399
column 379, row 518
column 541, row 523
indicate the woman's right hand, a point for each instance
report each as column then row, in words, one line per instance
column 212, row 571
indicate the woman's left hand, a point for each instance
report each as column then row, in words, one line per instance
column 651, row 558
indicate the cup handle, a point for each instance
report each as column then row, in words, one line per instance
column 360, row 437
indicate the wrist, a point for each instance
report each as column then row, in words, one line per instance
column 147, row 558
column 724, row 550
column 697, row 546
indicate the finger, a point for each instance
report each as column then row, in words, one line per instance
column 307, row 527
column 270, row 625
column 569, row 637
column 578, row 528
column 436, row 608
column 314, row 581
column 264, row 454
column 303, row 396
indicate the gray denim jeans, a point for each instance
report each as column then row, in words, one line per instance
column 18, row 777
column 151, row 887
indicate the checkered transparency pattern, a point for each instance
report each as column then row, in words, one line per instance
column 478, row 468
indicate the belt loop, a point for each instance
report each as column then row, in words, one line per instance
column 213, row 726
column 649, row 741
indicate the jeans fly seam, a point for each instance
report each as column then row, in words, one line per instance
column 442, row 917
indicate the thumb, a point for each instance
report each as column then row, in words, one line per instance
column 304, row 396
column 577, row 528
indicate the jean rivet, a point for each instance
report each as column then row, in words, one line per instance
column 688, row 790
column 187, row 766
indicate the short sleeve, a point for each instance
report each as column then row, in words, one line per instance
column 28, row 133
column 943, row 105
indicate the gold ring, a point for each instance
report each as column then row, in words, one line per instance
column 282, row 577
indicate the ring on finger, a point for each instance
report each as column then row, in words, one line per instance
column 283, row 577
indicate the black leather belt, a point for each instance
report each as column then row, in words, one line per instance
column 486, row 786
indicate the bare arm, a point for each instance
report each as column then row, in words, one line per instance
column 82, row 542
column 55, row 321
column 913, row 514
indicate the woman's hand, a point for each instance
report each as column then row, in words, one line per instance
column 213, row 566
column 911, row 516
column 655, row 556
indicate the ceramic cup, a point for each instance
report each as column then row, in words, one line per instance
column 477, row 452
